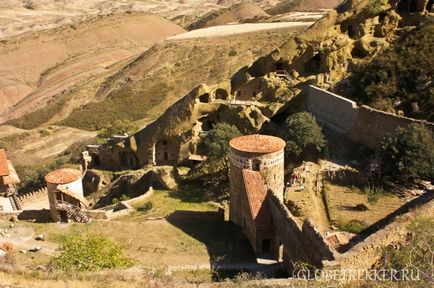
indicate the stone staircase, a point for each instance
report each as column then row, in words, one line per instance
column 75, row 213
column 15, row 202
column 284, row 75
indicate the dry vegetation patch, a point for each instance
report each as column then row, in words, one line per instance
column 347, row 206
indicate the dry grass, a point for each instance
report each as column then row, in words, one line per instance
column 154, row 242
column 164, row 202
column 343, row 201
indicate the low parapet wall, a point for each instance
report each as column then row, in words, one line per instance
column 32, row 196
column 361, row 124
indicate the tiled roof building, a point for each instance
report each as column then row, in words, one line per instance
column 256, row 167
column 8, row 176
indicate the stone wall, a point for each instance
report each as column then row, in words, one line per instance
column 300, row 244
column 314, row 246
column 33, row 196
column 9, row 215
column 361, row 124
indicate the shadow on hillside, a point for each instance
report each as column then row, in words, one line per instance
column 380, row 224
column 224, row 240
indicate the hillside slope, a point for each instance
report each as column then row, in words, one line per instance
column 37, row 67
column 168, row 71
column 241, row 12
column 285, row 6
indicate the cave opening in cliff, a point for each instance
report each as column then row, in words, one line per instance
column 221, row 94
column 407, row 6
column 205, row 98
column 313, row 66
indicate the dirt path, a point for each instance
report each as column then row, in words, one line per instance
column 309, row 200
column 319, row 214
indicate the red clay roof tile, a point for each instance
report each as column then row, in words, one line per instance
column 256, row 194
column 4, row 169
column 63, row 176
column 257, row 143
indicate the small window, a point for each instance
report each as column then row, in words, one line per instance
column 256, row 166
column 164, row 142
column 58, row 197
column 166, row 156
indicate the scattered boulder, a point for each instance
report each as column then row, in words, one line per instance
column 40, row 237
column 35, row 249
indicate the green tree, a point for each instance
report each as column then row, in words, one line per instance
column 409, row 152
column 216, row 143
column 119, row 127
column 90, row 253
column 401, row 77
column 303, row 134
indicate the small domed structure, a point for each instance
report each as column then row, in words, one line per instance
column 65, row 195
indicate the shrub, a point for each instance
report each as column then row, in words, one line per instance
column 146, row 207
column 294, row 208
column 233, row 53
column 353, row 226
column 409, row 153
column 119, row 127
column 373, row 192
column 216, row 143
column 45, row 133
column 90, row 253
column 32, row 176
column 124, row 104
column 375, row 7
column 302, row 134
column 414, row 252
column 73, row 152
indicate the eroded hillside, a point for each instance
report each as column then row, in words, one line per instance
column 168, row 71
column 40, row 65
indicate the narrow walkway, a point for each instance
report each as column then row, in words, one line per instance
column 318, row 213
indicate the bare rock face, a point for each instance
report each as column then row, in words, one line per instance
column 166, row 176
column 94, row 181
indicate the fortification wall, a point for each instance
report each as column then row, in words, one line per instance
column 361, row 124
column 300, row 244
column 372, row 125
column 33, row 196
column 338, row 113
column 314, row 245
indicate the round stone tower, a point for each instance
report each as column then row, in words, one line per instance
column 260, row 153
column 64, row 188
